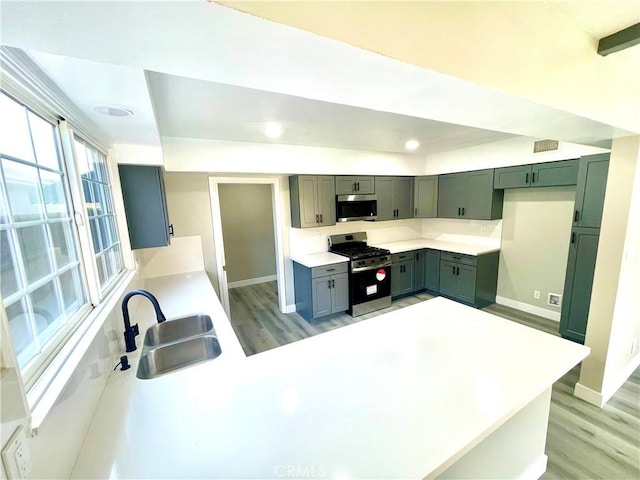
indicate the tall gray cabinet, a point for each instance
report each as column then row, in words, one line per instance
column 590, row 191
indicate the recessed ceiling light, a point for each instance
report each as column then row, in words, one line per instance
column 273, row 130
column 412, row 144
column 113, row 111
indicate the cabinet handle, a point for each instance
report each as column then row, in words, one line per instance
column 333, row 284
column 463, row 211
column 457, row 270
column 454, row 270
column 328, row 283
column 415, row 214
column 171, row 230
column 526, row 178
column 533, row 177
column 320, row 218
column 355, row 187
column 317, row 218
column 331, row 270
column 576, row 216
column 459, row 209
column 358, row 184
column 573, row 237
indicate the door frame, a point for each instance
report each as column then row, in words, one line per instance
column 216, row 221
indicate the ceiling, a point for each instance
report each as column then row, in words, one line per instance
column 220, row 74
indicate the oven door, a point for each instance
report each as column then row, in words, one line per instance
column 368, row 285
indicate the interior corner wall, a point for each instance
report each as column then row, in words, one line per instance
column 614, row 324
column 536, row 231
column 189, row 208
column 246, row 212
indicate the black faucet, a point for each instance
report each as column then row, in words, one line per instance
column 130, row 331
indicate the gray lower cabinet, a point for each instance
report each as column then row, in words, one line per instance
column 425, row 197
column 418, row 269
column 145, row 205
column 592, row 185
column 547, row 174
column 469, row 195
column 321, row 291
column 346, row 185
column 395, row 197
column 469, row 279
column 313, row 200
column 402, row 274
column 432, row 270
column 578, row 284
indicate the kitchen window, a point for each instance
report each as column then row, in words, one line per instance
column 46, row 275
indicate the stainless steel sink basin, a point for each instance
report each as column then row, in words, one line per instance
column 178, row 329
column 169, row 358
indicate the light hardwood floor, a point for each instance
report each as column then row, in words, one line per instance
column 583, row 441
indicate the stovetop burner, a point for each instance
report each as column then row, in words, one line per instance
column 354, row 246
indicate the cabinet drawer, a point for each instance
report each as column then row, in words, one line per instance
column 402, row 257
column 459, row 258
column 326, row 270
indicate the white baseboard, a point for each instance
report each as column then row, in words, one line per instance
column 536, row 469
column 251, row 281
column 600, row 398
column 525, row 307
column 290, row 308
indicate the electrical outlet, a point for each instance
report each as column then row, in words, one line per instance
column 15, row 456
column 536, row 294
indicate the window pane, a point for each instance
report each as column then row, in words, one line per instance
column 23, row 190
column 20, row 328
column 8, row 273
column 14, row 130
column 95, row 235
column 52, row 188
column 47, row 313
column 62, row 243
column 81, row 158
column 71, row 290
column 102, row 273
column 44, row 141
column 98, row 200
column 35, row 252
column 105, row 239
column 4, row 211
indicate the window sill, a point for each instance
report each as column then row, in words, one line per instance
column 44, row 393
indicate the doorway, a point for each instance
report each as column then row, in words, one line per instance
column 252, row 248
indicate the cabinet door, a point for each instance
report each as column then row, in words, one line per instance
column 512, row 177
column 340, row 292
column 308, row 201
column 592, row 184
column 145, row 205
column 365, row 185
column 407, row 277
column 466, row 283
column 432, row 270
column 425, row 198
column 345, row 185
column 419, row 276
column 551, row 174
column 396, row 281
column 327, row 200
column 452, row 192
column 480, row 195
column 321, row 293
column 579, row 283
column 384, row 193
column 403, row 197
column 448, row 279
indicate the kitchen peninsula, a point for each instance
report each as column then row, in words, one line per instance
column 437, row 389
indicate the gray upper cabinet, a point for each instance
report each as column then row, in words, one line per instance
column 145, row 205
column 360, row 185
column 395, row 197
column 469, row 195
column 592, row 184
column 313, row 200
column 548, row 174
column 425, row 197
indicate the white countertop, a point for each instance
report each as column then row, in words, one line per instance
column 456, row 247
column 395, row 396
column 319, row 259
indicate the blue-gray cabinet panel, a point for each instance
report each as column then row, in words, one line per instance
column 592, row 185
column 145, row 205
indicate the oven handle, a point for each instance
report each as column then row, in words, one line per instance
column 371, row 267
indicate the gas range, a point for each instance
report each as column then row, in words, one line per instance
column 369, row 272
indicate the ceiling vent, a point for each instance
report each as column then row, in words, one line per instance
column 545, row 146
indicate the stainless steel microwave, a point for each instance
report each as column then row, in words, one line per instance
column 350, row 208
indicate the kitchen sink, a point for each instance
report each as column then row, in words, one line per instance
column 178, row 329
column 174, row 356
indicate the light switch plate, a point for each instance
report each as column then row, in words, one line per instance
column 15, row 455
